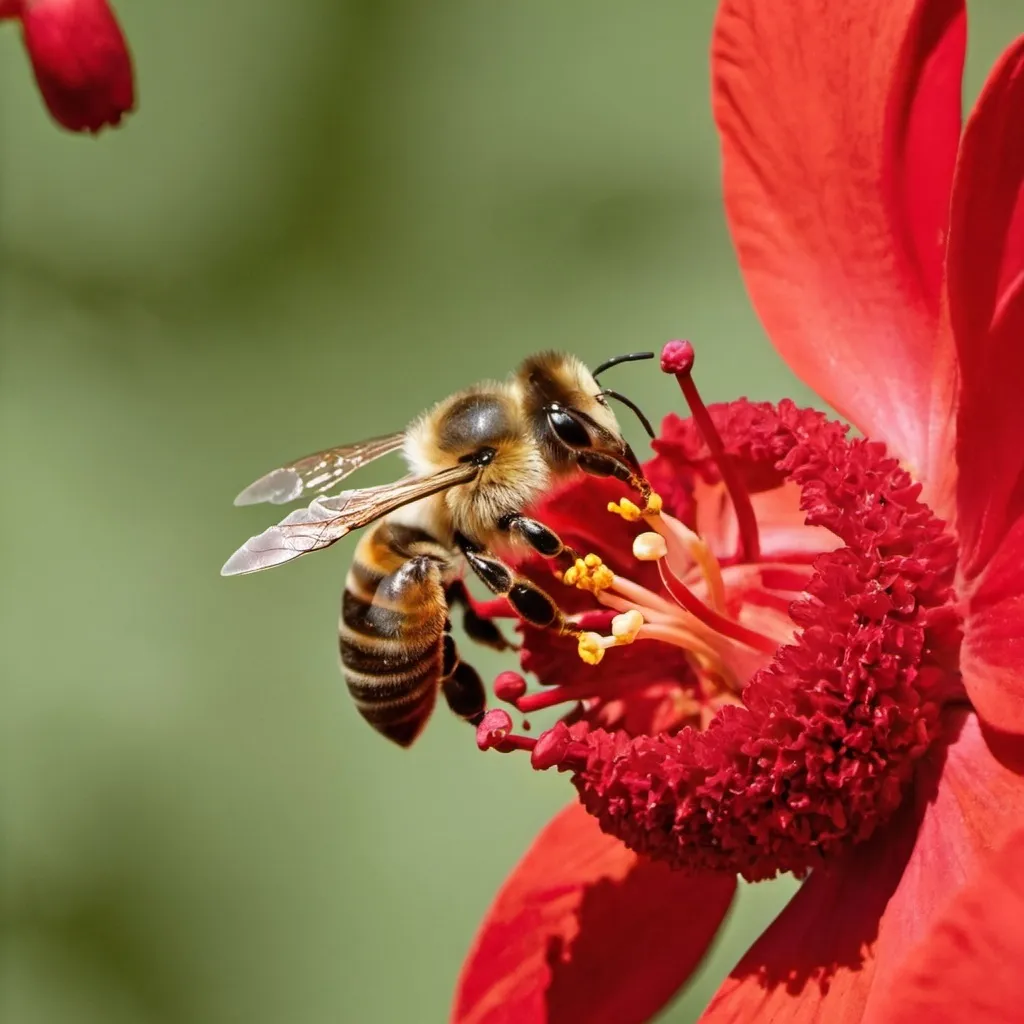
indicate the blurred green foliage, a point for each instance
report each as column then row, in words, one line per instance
column 324, row 216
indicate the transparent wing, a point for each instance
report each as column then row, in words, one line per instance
column 317, row 473
column 327, row 520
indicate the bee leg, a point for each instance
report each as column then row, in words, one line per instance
column 531, row 603
column 478, row 628
column 541, row 538
column 461, row 685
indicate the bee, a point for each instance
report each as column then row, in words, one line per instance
column 477, row 462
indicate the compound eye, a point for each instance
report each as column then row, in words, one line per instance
column 568, row 428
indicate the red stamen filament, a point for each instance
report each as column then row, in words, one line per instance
column 513, row 741
column 677, row 358
column 719, row 623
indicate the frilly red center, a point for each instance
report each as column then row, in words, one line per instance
column 815, row 747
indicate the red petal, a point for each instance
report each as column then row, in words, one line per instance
column 986, row 251
column 840, row 124
column 838, row 946
column 992, row 654
column 584, row 930
column 969, row 967
column 81, row 61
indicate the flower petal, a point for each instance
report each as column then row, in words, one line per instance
column 584, row 930
column 839, row 125
column 986, row 309
column 81, row 61
column 969, row 967
column 838, row 947
column 992, row 653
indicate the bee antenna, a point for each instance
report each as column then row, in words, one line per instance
column 632, row 405
column 630, row 357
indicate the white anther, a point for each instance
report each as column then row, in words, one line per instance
column 626, row 626
column 649, row 547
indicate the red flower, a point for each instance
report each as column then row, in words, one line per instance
column 80, row 59
column 837, row 683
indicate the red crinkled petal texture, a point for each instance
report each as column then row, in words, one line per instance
column 986, row 308
column 840, row 124
column 837, row 951
column 584, row 930
column 969, row 966
column 832, row 728
column 81, row 61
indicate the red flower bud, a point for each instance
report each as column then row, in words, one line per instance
column 81, row 61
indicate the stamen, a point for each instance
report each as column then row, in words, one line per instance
column 649, row 547
column 495, row 733
column 719, row 623
column 509, row 687
column 678, row 535
column 632, row 512
column 591, row 648
column 677, row 358
column 588, row 573
column 625, row 628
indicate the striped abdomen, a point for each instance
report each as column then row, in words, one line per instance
column 392, row 628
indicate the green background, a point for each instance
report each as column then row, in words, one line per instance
column 324, row 216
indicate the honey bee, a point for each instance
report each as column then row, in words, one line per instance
column 477, row 461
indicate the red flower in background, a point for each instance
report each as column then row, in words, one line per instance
column 838, row 683
column 80, row 59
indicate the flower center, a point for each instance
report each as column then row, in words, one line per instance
column 822, row 677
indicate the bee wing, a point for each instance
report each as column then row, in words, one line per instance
column 327, row 520
column 317, row 473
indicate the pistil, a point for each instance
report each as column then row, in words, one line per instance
column 677, row 358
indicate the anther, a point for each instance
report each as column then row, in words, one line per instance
column 625, row 508
column 493, row 728
column 677, row 358
column 626, row 626
column 509, row 687
column 495, row 733
column 590, row 648
column 589, row 573
column 649, row 547
column 632, row 512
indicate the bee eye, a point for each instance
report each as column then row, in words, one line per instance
column 568, row 428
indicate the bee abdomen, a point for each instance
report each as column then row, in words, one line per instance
column 399, row 704
column 391, row 641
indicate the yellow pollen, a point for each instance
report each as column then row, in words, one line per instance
column 649, row 547
column 626, row 509
column 590, row 649
column 589, row 573
column 625, row 629
column 632, row 512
